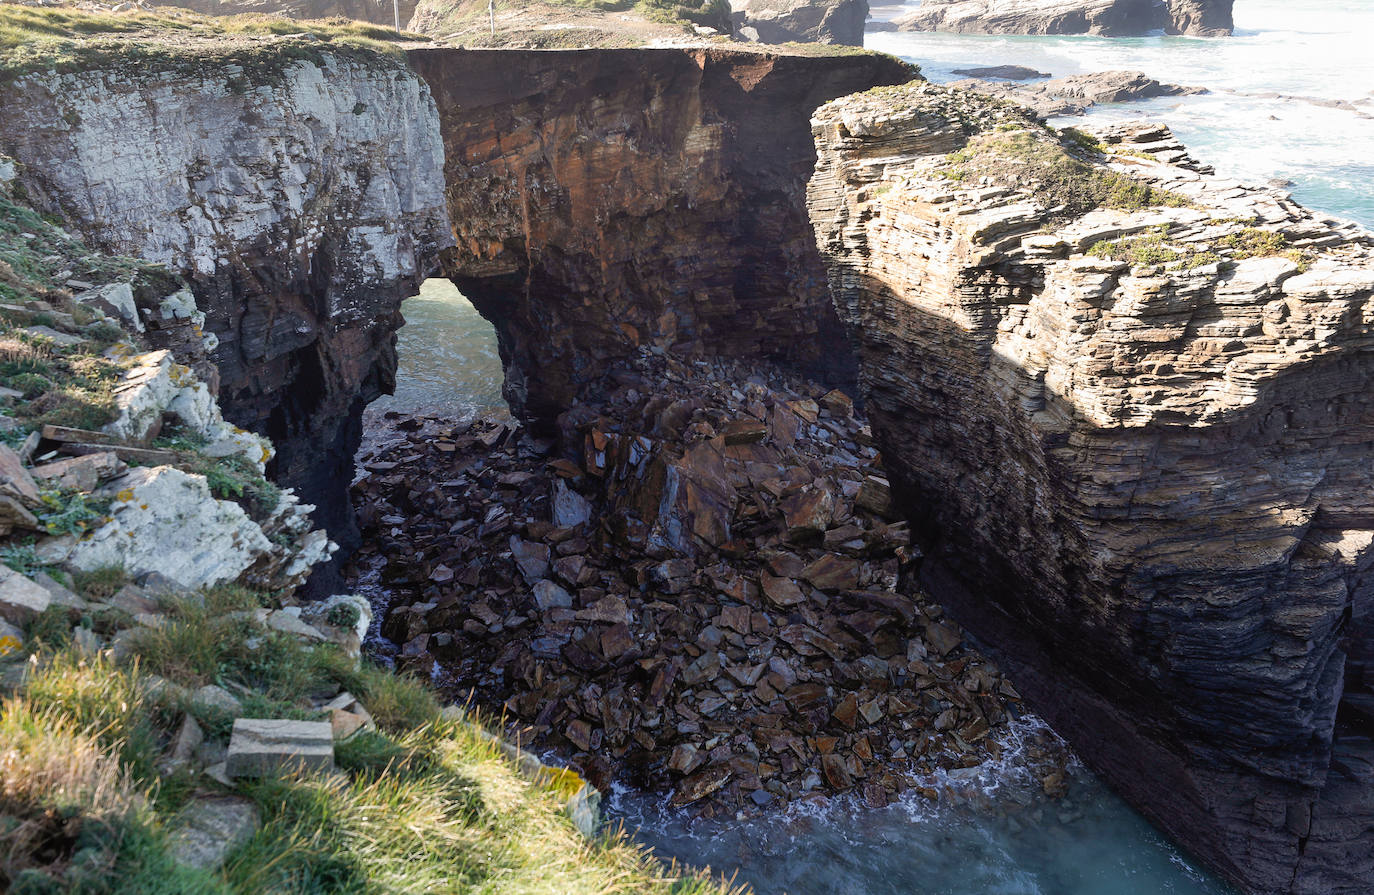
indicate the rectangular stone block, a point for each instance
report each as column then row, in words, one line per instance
column 261, row 746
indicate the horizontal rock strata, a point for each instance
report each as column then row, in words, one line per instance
column 605, row 200
column 1126, row 405
column 704, row 593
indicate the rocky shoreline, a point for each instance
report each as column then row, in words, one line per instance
column 709, row 594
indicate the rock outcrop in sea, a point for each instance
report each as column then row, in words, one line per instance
column 1125, row 405
column 1107, row 18
column 803, row 21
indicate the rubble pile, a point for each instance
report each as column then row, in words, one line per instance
column 706, row 592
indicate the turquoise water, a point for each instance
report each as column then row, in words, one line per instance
column 992, row 832
column 1315, row 49
column 447, row 357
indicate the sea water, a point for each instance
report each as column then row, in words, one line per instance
column 1308, row 53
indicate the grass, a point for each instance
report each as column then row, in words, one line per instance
column 1154, row 248
column 423, row 804
column 68, row 39
column 1055, row 169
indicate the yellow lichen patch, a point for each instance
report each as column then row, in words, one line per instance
column 9, row 644
column 125, row 495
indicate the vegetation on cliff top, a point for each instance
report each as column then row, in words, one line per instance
column 89, row 801
column 1054, row 169
column 1155, row 248
column 65, row 39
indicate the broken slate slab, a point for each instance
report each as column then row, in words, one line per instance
column 210, row 827
column 20, row 598
column 261, row 746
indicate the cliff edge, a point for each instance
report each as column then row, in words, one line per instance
column 1125, row 404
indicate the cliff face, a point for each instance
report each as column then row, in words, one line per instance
column 1109, row 18
column 1135, row 443
column 604, row 200
column 303, row 201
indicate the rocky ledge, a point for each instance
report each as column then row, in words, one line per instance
column 1108, row 18
column 1125, row 404
column 705, row 592
column 1075, row 94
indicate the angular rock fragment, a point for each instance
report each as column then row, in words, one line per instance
column 208, row 828
column 260, row 747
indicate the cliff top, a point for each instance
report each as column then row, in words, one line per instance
column 66, row 38
column 1126, row 206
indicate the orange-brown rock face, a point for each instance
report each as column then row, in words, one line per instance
column 604, row 200
column 1127, row 406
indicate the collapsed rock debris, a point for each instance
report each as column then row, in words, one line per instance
column 705, row 591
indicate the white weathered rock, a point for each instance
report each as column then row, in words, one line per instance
column 86, row 641
column 20, row 598
column 166, row 521
column 318, row 613
column 261, row 746
column 290, row 623
column 115, row 300
column 156, row 385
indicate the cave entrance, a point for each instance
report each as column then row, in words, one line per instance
column 447, row 359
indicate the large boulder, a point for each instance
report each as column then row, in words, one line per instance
column 802, row 21
column 165, row 520
column 1127, row 408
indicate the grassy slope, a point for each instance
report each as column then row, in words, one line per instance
column 422, row 805
column 68, row 39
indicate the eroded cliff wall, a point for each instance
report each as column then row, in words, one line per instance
column 607, row 199
column 1127, row 407
column 302, row 197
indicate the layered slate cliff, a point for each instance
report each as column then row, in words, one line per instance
column 300, row 193
column 1126, row 406
column 605, row 200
